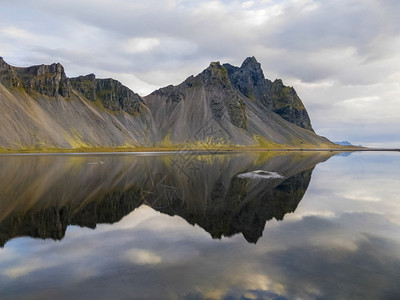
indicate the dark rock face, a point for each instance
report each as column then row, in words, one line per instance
column 172, row 95
column 116, row 96
column 86, row 85
column 111, row 93
column 7, row 75
column 49, row 80
column 250, row 81
column 216, row 80
column 288, row 105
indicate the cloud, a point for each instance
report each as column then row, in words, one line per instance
column 294, row 259
column 156, row 43
column 337, row 267
column 13, row 32
column 22, row 270
column 137, row 45
column 142, row 257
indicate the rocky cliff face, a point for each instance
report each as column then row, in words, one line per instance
column 111, row 93
column 250, row 81
column 49, row 80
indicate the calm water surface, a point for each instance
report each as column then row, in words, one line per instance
column 239, row 226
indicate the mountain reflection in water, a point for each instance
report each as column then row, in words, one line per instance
column 41, row 195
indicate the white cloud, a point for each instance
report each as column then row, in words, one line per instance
column 142, row 257
column 21, row 270
column 17, row 33
column 247, row 4
column 137, row 45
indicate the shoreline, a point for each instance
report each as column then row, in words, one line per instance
column 200, row 150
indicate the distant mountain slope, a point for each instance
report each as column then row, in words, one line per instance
column 346, row 143
column 41, row 108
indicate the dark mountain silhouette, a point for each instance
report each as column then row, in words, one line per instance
column 224, row 194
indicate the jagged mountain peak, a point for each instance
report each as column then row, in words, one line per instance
column 249, row 79
column 251, row 62
column 247, row 76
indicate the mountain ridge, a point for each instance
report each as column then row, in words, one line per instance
column 223, row 106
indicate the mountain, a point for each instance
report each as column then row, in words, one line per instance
column 222, row 106
column 215, row 104
column 346, row 143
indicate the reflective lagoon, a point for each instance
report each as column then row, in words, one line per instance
column 274, row 225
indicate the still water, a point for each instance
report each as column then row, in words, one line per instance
column 298, row 225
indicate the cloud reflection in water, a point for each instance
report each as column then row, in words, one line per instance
column 345, row 251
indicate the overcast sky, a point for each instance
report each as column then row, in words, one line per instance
column 341, row 56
